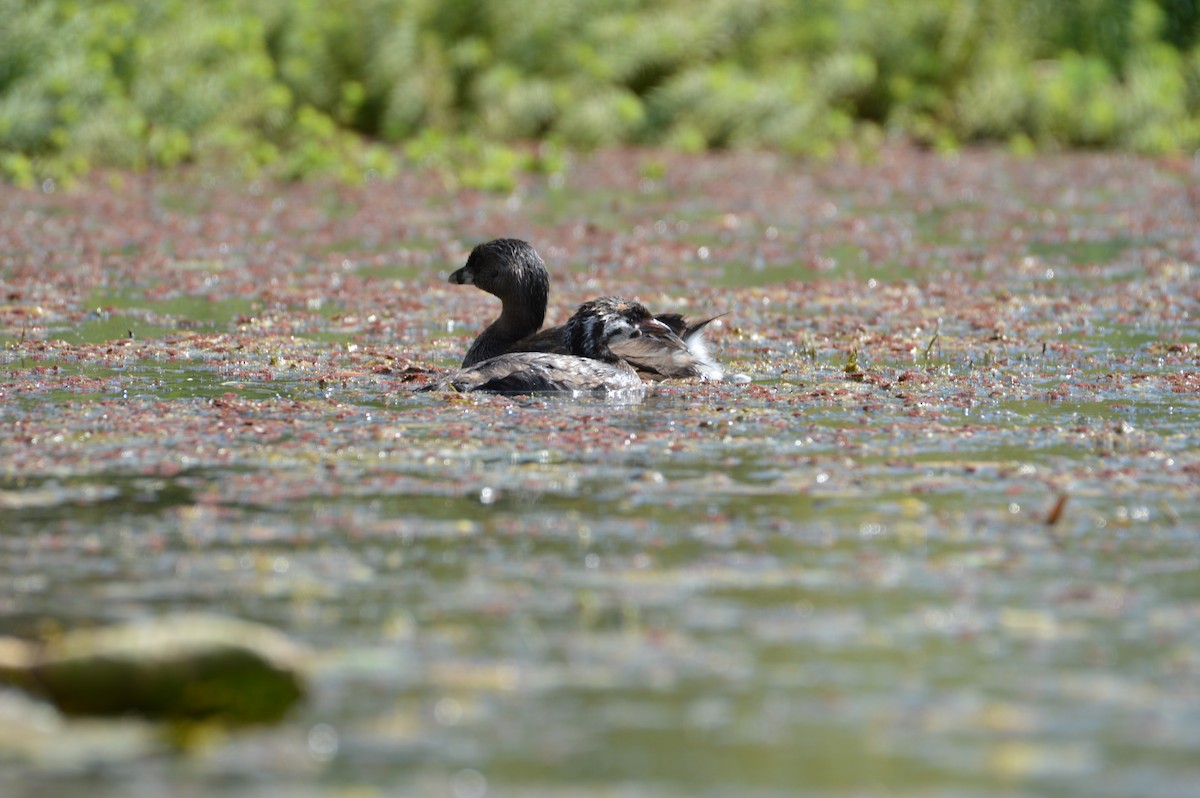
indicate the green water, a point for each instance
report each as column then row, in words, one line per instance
column 826, row 601
column 972, row 572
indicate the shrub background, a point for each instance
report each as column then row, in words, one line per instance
column 306, row 87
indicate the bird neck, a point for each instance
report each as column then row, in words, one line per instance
column 518, row 319
column 523, row 303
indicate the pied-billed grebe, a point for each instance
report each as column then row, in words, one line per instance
column 590, row 368
column 511, row 270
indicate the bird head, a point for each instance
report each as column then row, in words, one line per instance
column 506, row 268
column 602, row 322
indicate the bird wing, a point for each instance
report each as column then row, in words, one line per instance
column 667, row 355
column 543, row 372
column 681, row 354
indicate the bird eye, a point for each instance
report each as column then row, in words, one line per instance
column 621, row 331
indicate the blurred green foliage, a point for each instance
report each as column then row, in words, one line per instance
column 325, row 87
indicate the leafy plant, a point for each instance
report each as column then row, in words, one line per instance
column 301, row 87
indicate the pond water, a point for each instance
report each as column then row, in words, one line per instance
column 971, row 566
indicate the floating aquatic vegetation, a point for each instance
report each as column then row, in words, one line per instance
column 968, row 560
